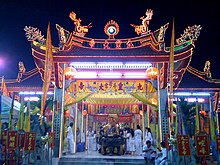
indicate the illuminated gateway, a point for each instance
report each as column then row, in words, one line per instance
column 111, row 79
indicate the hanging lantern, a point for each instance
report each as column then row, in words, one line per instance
column 70, row 72
column 84, row 112
column 152, row 72
column 67, row 113
column 153, row 101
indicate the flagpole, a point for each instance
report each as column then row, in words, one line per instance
column 171, row 76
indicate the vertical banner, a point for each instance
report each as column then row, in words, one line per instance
column 30, row 141
column 12, row 140
column 48, row 68
column 218, row 142
column 202, row 145
column 183, row 145
column 51, row 140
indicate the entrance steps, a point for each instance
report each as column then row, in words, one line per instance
column 98, row 159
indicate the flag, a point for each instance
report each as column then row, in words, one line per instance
column 27, row 120
column 197, row 125
column 4, row 89
column 20, row 123
column 11, row 113
column 171, row 74
column 48, row 67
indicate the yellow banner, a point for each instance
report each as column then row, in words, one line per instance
column 108, row 86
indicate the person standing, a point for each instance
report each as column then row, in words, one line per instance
column 148, row 135
column 90, row 135
column 70, row 139
column 138, row 140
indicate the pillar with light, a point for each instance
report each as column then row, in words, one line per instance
column 153, row 74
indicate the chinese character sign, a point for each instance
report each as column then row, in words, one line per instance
column 30, row 141
column 12, row 140
column 183, row 145
column 202, row 145
column 218, row 143
column 51, row 139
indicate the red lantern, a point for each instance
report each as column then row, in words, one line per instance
column 67, row 113
column 84, row 112
column 152, row 72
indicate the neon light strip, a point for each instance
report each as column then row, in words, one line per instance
column 33, row 93
column 110, row 65
column 191, row 94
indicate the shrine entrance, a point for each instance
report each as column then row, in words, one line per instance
column 101, row 103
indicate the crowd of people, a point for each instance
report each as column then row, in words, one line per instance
column 136, row 144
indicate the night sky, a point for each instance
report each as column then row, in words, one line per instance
column 16, row 14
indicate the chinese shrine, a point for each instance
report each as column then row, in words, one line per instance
column 111, row 80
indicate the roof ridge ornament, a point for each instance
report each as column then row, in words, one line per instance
column 33, row 34
column 111, row 29
column 79, row 29
column 143, row 28
column 190, row 33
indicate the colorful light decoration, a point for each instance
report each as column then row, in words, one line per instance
column 70, row 72
column 152, row 72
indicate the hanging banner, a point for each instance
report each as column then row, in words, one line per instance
column 202, row 145
column 218, row 142
column 30, row 141
column 183, row 145
column 12, row 140
column 51, row 140
column 106, row 86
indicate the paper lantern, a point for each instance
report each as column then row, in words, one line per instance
column 84, row 112
column 67, row 113
column 70, row 72
column 152, row 72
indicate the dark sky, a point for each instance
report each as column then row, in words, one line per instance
column 16, row 14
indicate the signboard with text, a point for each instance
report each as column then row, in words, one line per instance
column 202, row 145
column 51, row 139
column 12, row 140
column 30, row 141
column 183, row 145
column 218, row 142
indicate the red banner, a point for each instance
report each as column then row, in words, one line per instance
column 4, row 140
column 101, row 118
column 51, row 140
column 218, row 142
column 12, row 140
column 202, row 145
column 183, row 145
column 125, row 118
column 30, row 141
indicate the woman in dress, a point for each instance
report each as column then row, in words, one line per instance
column 148, row 135
column 90, row 135
column 138, row 140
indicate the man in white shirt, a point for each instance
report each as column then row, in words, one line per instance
column 70, row 139
column 149, row 152
column 162, row 155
